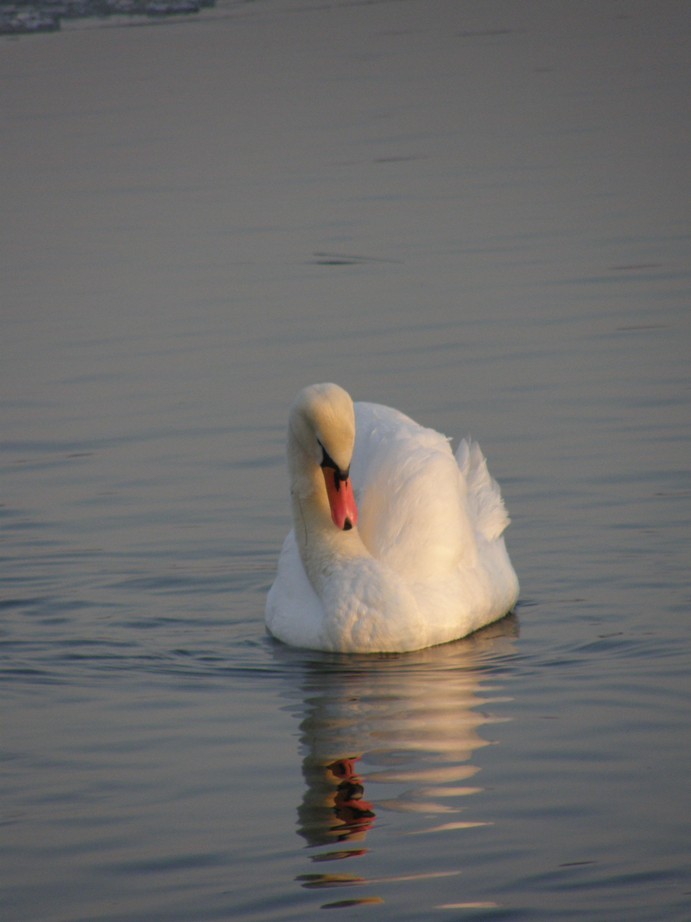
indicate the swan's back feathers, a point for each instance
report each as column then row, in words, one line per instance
column 484, row 496
column 412, row 505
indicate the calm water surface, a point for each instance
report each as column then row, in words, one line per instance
column 477, row 212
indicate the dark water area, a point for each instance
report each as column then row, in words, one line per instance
column 475, row 212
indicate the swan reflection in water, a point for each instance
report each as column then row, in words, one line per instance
column 392, row 734
column 334, row 807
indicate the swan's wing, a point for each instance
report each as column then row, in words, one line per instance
column 411, row 497
column 485, row 501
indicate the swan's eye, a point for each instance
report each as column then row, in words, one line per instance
column 327, row 460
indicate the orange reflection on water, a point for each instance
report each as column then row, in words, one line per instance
column 354, row 814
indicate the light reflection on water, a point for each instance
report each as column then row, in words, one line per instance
column 394, row 734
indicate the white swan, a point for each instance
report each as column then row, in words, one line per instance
column 418, row 560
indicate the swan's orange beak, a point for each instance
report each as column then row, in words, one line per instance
column 341, row 499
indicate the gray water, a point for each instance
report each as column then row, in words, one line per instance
column 476, row 212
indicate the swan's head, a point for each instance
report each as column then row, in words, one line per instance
column 322, row 435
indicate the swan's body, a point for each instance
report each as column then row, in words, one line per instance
column 420, row 561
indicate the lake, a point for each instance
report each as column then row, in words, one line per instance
column 475, row 212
